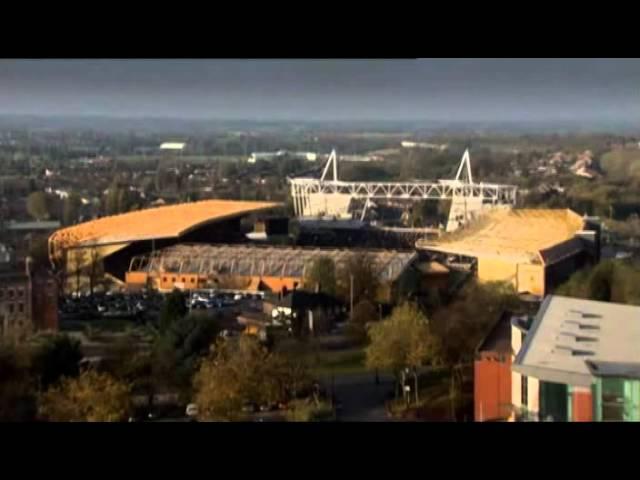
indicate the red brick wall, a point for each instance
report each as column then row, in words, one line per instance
column 582, row 406
column 492, row 389
column 44, row 302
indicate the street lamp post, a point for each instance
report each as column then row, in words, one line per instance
column 351, row 295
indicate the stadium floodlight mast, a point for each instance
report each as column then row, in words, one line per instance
column 466, row 162
column 311, row 195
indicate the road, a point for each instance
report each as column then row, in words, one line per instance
column 361, row 399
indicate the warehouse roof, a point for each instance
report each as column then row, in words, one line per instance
column 272, row 261
column 521, row 235
column 161, row 222
column 570, row 336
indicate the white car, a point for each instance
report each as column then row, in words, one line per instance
column 238, row 297
column 192, row 410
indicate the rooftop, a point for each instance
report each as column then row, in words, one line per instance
column 568, row 333
column 252, row 260
column 43, row 225
column 161, row 222
column 522, row 235
column 499, row 338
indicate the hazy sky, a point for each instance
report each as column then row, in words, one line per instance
column 437, row 89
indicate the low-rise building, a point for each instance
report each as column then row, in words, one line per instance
column 579, row 361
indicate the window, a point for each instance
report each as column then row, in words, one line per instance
column 193, row 280
column 21, row 292
column 1, row 293
column 164, row 279
column 524, row 390
column 21, row 307
column 10, row 306
column 11, row 293
column 183, row 280
column 612, row 400
column 173, row 279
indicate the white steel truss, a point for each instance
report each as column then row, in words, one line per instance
column 488, row 193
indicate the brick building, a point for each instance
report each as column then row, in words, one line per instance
column 28, row 302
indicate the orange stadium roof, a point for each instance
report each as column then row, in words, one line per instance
column 161, row 222
column 525, row 235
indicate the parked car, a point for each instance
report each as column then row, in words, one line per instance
column 192, row 410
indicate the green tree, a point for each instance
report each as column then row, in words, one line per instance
column 600, row 284
column 461, row 325
column 37, row 206
column 173, row 308
column 17, row 389
column 608, row 281
column 57, row 358
column 322, row 273
column 360, row 273
column 92, row 397
column 181, row 346
column 364, row 312
column 403, row 341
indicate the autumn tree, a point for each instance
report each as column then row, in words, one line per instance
column 240, row 372
column 92, row 397
column 37, row 206
column 403, row 341
column 321, row 273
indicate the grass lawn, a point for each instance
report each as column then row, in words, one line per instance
column 325, row 362
column 105, row 325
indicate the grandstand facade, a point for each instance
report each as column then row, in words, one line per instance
column 115, row 239
column 534, row 249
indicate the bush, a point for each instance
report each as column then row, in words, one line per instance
column 307, row 411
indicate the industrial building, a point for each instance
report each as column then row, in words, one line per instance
column 115, row 239
column 579, row 361
column 534, row 249
column 252, row 268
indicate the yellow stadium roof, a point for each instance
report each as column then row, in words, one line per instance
column 519, row 235
column 161, row 222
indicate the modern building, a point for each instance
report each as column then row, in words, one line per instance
column 251, row 267
column 113, row 240
column 534, row 249
column 579, row 361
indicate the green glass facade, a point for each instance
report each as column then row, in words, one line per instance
column 555, row 402
column 616, row 400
